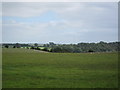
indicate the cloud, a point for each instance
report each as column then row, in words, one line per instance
column 60, row 1
column 36, row 9
column 59, row 22
column 0, row 22
column 21, row 9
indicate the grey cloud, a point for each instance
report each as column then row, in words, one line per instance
column 79, row 22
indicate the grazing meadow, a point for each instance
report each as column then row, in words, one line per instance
column 26, row 68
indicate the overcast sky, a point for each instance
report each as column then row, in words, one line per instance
column 59, row 22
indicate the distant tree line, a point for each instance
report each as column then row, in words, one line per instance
column 71, row 48
column 85, row 47
column 15, row 45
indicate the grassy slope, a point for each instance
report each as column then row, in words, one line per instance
column 30, row 69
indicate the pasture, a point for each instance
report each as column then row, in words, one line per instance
column 24, row 68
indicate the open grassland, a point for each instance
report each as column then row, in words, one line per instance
column 23, row 68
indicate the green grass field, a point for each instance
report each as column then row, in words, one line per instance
column 23, row 68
